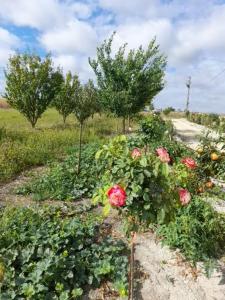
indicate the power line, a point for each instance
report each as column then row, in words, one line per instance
column 216, row 76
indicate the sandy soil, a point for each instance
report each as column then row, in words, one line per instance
column 169, row 277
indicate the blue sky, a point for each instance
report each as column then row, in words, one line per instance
column 191, row 34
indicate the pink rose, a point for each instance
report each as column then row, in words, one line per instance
column 135, row 153
column 189, row 162
column 117, row 196
column 163, row 155
column 185, row 196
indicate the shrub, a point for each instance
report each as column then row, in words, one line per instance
column 150, row 184
column 197, row 230
column 152, row 128
column 168, row 110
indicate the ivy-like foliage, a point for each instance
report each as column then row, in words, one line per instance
column 52, row 253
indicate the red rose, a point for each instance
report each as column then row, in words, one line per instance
column 163, row 155
column 189, row 162
column 117, row 196
column 135, row 153
column 185, row 196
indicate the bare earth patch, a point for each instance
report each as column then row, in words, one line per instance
column 7, row 190
column 168, row 276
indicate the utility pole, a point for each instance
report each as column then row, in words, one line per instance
column 188, row 84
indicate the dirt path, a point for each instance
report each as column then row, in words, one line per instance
column 189, row 132
column 7, row 190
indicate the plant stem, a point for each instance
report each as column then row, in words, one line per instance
column 80, row 144
column 124, row 125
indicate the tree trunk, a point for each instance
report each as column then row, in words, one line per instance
column 128, row 121
column 124, row 125
column 80, row 148
column 33, row 124
column 64, row 121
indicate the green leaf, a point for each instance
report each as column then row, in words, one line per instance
column 143, row 162
column 98, row 154
column 146, row 197
column 165, row 169
column 161, row 216
column 106, row 209
column 147, row 206
column 147, row 173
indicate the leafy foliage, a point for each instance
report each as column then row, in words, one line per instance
column 85, row 105
column 62, row 181
column 65, row 100
column 168, row 110
column 197, row 230
column 153, row 128
column 31, row 84
column 127, row 82
column 208, row 166
column 47, row 254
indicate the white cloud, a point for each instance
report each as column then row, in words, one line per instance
column 142, row 32
column 8, row 43
column 42, row 14
column 197, row 37
column 76, row 64
column 76, row 37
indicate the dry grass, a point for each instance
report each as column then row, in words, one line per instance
column 4, row 104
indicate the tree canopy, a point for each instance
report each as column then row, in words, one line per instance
column 31, row 84
column 66, row 100
column 128, row 81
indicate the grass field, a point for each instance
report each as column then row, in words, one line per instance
column 22, row 147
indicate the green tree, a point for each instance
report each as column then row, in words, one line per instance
column 65, row 100
column 31, row 84
column 85, row 106
column 127, row 82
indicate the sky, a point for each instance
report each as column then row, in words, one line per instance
column 190, row 33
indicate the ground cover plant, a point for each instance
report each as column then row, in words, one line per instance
column 62, row 182
column 54, row 253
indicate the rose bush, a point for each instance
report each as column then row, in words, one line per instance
column 145, row 190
